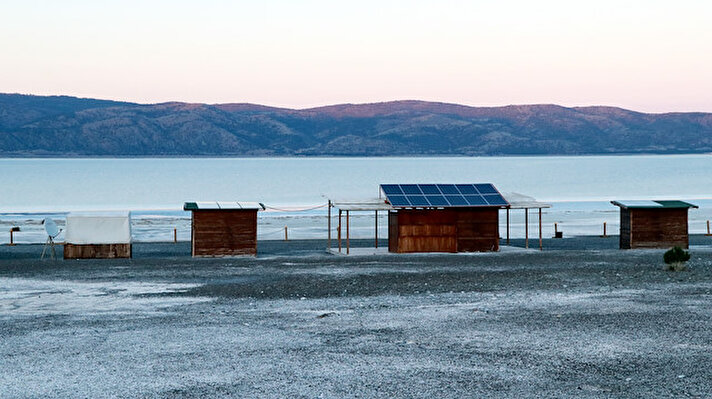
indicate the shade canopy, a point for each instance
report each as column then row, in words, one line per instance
column 371, row 204
column 521, row 201
column 85, row 228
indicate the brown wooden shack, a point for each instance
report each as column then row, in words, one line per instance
column 223, row 228
column 653, row 224
column 443, row 217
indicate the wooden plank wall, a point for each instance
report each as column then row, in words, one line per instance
column 625, row 229
column 444, row 230
column 97, row 251
column 478, row 230
column 217, row 233
column 658, row 228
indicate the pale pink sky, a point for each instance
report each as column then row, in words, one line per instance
column 645, row 55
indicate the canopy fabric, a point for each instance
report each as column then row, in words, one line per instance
column 521, row 201
column 371, row 204
column 98, row 228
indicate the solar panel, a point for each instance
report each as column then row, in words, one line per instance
column 448, row 189
column 391, row 189
column 398, row 200
column 486, row 189
column 443, row 195
column 410, row 189
column 495, row 199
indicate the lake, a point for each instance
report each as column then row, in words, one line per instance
column 155, row 188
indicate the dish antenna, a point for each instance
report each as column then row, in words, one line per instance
column 52, row 233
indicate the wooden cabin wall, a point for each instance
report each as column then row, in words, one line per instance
column 478, row 230
column 224, row 233
column 659, row 228
column 97, row 251
column 444, row 230
column 625, row 229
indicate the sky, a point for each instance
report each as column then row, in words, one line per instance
column 651, row 56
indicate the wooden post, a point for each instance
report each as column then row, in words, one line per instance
column 708, row 228
column 556, row 228
column 12, row 239
column 541, row 245
column 175, row 235
column 604, row 230
column 348, row 246
column 526, row 227
column 286, row 237
column 339, row 231
column 328, row 226
column 376, row 229
column 507, row 226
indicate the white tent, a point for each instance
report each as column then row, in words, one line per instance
column 88, row 228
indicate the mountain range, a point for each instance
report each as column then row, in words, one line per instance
column 62, row 126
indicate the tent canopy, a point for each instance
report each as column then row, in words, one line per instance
column 521, row 201
column 98, row 228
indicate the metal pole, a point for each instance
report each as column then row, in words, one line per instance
column 339, row 231
column 376, row 229
column 348, row 246
column 541, row 246
column 507, row 226
column 526, row 227
column 328, row 226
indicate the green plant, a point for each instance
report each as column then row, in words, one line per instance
column 675, row 258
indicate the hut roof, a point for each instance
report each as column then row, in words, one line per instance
column 646, row 204
column 443, row 195
column 222, row 205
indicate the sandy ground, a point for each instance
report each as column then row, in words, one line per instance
column 580, row 319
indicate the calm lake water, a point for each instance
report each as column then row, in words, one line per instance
column 155, row 189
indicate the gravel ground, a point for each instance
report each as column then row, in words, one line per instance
column 581, row 319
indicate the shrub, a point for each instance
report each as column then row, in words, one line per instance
column 675, row 258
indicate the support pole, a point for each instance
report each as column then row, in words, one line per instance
column 286, row 237
column 526, row 227
column 604, row 230
column 348, row 246
column 708, row 228
column 339, row 230
column 507, row 226
column 12, row 239
column 175, row 235
column 541, row 245
column 376, row 229
column 328, row 226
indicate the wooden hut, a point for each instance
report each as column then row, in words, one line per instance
column 443, row 217
column 94, row 235
column 223, row 228
column 653, row 224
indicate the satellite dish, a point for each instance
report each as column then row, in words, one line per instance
column 52, row 233
column 51, row 227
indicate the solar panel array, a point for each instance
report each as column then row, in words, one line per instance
column 443, row 195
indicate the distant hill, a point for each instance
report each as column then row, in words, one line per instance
column 68, row 126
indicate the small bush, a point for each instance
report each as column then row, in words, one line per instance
column 675, row 258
